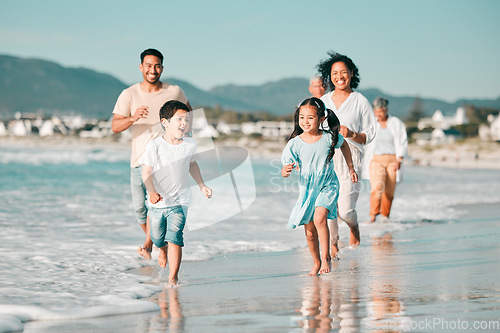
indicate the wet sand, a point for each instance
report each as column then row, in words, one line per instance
column 437, row 276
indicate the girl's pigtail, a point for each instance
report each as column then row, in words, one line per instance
column 296, row 127
column 333, row 129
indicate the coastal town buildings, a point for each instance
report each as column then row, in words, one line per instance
column 268, row 128
column 37, row 125
column 436, row 130
column 440, row 136
column 440, row 125
column 490, row 131
column 438, row 120
column 3, row 129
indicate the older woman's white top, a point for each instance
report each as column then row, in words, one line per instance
column 398, row 131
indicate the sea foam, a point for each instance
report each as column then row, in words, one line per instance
column 69, row 235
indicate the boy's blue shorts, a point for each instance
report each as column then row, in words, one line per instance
column 167, row 225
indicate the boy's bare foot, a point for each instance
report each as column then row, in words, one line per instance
column 354, row 239
column 145, row 253
column 173, row 283
column 372, row 218
column 162, row 257
column 315, row 269
column 326, row 266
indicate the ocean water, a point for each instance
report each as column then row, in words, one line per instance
column 69, row 237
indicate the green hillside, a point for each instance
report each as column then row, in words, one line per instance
column 33, row 85
column 40, row 86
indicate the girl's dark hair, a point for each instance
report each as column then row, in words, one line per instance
column 325, row 69
column 168, row 109
column 331, row 119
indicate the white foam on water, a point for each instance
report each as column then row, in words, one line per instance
column 41, row 156
column 69, row 234
column 14, row 315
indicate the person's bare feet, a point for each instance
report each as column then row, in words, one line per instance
column 326, row 266
column 173, row 283
column 372, row 218
column 315, row 269
column 354, row 239
column 334, row 250
column 162, row 257
column 145, row 253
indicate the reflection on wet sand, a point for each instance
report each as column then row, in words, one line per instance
column 170, row 318
column 316, row 305
column 331, row 303
column 340, row 301
column 385, row 311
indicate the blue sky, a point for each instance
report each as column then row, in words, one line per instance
column 445, row 49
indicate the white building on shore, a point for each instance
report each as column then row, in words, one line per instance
column 490, row 131
column 38, row 125
column 437, row 137
column 3, row 129
column 227, row 129
column 270, row 129
column 202, row 129
column 438, row 120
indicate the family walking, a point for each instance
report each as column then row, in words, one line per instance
column 331, row 132
column 328, row 182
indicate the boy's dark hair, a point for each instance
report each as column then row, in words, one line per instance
column 325, row 69
column 168, row 109
column 153, row 52
column 322, row 111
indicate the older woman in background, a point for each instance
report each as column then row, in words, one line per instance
column 385, row 155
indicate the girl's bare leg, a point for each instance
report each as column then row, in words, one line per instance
column 320, row 222
column 313, row 244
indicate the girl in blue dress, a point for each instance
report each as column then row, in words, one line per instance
column 310, row 151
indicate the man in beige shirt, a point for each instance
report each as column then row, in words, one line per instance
column 138, row 108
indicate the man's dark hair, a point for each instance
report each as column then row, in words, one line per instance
column 153, row 52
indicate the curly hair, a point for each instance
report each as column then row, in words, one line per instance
column 325, row 69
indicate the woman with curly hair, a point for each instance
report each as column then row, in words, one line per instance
column 358, row 126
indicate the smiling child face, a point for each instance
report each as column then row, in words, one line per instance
column 178, row 125
column 308, row 119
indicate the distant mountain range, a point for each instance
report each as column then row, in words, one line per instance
column 40, row 86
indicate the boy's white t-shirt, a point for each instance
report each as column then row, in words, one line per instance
column 170, row 174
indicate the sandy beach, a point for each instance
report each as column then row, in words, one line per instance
column 467, row 154
column 434, row 268
column 438, row 276
column 470, row 154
